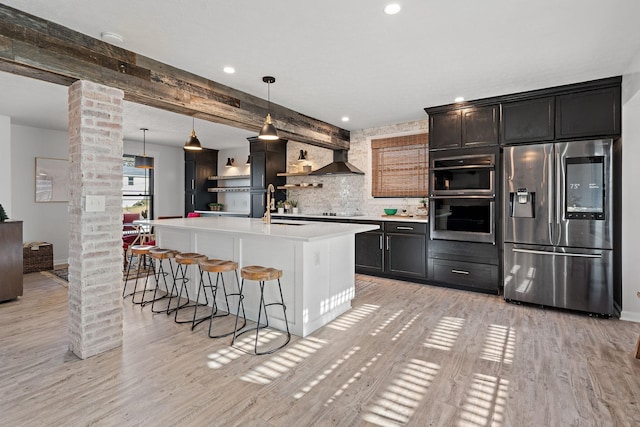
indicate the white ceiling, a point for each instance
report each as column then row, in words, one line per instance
column 334, row 58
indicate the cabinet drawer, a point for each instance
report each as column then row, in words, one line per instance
column 406, row 227
column 483, row 276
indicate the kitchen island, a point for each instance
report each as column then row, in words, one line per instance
column 316, row 258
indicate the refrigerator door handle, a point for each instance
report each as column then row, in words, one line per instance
column 569, row 254
column 550, row 163
column 559, row 199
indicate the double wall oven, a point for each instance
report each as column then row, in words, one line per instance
column 463, row 194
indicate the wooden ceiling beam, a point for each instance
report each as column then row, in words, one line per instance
column 37, row 48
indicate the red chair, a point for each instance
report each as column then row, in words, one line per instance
column 129, row 232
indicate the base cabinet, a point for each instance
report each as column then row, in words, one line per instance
column 11, row 260
column 370, row 252
column 466, row 265
column 406, row 245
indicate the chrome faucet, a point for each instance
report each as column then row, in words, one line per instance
column 267, row 215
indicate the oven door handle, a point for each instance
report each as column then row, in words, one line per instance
column 465, row 196
column 451, row 168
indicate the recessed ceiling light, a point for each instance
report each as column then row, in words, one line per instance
column 392, row 8
column 111, row 37
column 345, row 119
column 459, row 99
column 229, row 70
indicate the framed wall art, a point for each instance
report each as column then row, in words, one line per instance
column 52, row 180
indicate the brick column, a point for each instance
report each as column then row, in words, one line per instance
column 95, row 237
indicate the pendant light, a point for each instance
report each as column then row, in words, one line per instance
column 143, row 162
column 268, row 131
column 230, row 162
column 302, row 156
column 194, row 143
column 248, row 160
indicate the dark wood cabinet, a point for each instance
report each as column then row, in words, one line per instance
column 10, row 260
column 406, row 249
column 466, row 265
column 267, row 159
column 445, row 130
column 468, row 127
column 370, row 252
column 198, row 167
column 480, row 126
column 528, row 121
column 593, row 113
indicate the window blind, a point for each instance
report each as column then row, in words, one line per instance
column 400, row 166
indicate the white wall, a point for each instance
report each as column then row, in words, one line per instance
column 168, row 175
column 5, row 165
column 43, row 222
column 48, row 222
column 630, row 193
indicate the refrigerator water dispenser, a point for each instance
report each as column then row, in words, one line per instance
column 522, row 202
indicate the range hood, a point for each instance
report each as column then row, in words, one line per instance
column 340, row 165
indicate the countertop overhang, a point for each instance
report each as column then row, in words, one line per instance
column 355, row 217
column 279, row 228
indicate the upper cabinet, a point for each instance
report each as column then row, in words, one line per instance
column 577, row 111
column 467, row 127
column 588, row 114
column 527, row 121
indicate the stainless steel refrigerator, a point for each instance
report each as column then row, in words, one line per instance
column 558, row 225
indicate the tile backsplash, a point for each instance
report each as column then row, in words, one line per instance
column 350, row 194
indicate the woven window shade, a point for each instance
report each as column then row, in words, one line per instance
column 400, row 166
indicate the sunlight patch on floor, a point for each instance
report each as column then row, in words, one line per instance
column 281, row 362
column 351, row 380
column 352, row 317
column 485, row 402
column 405, row 327
column 400, row 399
column 499, row 345
column 307, row 388
column 386, row 323
column 445, row 334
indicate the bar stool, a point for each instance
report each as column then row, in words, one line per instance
column 141, row 252
column 159, row 255
column 219, row 266
column 184, row 260
column 261, row 275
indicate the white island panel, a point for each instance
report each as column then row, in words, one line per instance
column 317, row 261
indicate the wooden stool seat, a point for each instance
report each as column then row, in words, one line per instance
column 218, row 265
column 141, row 249
column 259, row 273
column 159, row 253
column 189, row 258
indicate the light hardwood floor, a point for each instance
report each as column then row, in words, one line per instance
column 406, row 354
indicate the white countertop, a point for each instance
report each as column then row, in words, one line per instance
column 355, row 217
column 279, row 228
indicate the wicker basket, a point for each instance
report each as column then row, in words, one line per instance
column 37, row 257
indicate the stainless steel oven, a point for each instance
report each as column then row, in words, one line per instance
column 463, row 195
